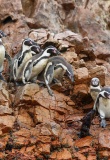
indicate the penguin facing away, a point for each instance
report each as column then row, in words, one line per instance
column 21, row 57
column 95, row 87
column 102, row 104
column 37, row 63
column 56, row 68
column 3, row 54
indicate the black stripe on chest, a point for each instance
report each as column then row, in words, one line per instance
column 20, row 59
column 95, row 90
column 58, row 66
column 37, row 61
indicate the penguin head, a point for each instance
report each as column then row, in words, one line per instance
column 52, row 50
column 28, row 42
column 2, row 34
column 36, row 49
column 104, row 94
column 69, row 73
column 95, row 82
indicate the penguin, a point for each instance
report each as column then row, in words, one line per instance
column 3, row 54
column 21, row 57
column 102, row 104
column 37, row 63
column 95, row 87
column 18, row 68
column 56, row 68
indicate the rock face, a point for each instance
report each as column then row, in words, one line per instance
column 34, row 125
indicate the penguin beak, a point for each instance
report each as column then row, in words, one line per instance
column 38, row 49
column 71, row 78
column 108, row 96
column 56, row 51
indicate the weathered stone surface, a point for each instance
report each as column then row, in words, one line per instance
column 34, row 125
column 104, row 139
column 83, row 142
column 3, row 142
column 82, row 75
column 42, row 16
column 6, row 123
column 63, row 154
column 11, row 10
column 26, row 94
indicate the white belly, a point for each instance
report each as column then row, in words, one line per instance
column 104, row 107
column 94, row 95
column 58, row 73
column 20, row 68
column 2, row 56
column 38, row 68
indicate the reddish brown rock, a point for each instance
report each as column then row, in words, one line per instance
column 3, row 142
column 2, row 155
column 39, row 123
column 41, row 114
column 26, row 94
column 11, row 10
column 80, row 156
column 6, row 123
column 83, row 142
column 104, row 141
column 62, row 155
column 24, row 120
column 82, row 75
column 42, row 15
column 44, row 148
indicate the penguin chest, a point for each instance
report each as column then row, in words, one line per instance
column 58, row 73
column 94, row 94
column 38, row 67
column 104, row 107
column 2, row 55
column 25, row 59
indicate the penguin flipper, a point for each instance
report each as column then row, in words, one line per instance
column 27, row 71
column 8, row 57
column 15, row 66
column 48, row 76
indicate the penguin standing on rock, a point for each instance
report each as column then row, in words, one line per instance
column 22, row 57
column 3, row 54
column 37, row 63
column 55, row 70
column 95, row 88
column 102, row 104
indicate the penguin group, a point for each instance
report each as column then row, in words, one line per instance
column 101, row 98
column 26, row 66
column 32, row 61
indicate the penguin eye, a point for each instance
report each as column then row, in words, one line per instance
column 54, row 50
column 19, row 59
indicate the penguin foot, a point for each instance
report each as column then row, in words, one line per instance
column 41, row 84
column 103, row 123
column 51, row 92
column 19, row 84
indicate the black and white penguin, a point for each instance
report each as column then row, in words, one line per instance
column 102, row 104
column 56, row 68
column 22, row 57
column 3, row 54
column 95, row 87
column 37, row 63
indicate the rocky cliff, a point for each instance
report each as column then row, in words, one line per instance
column 34, row 125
